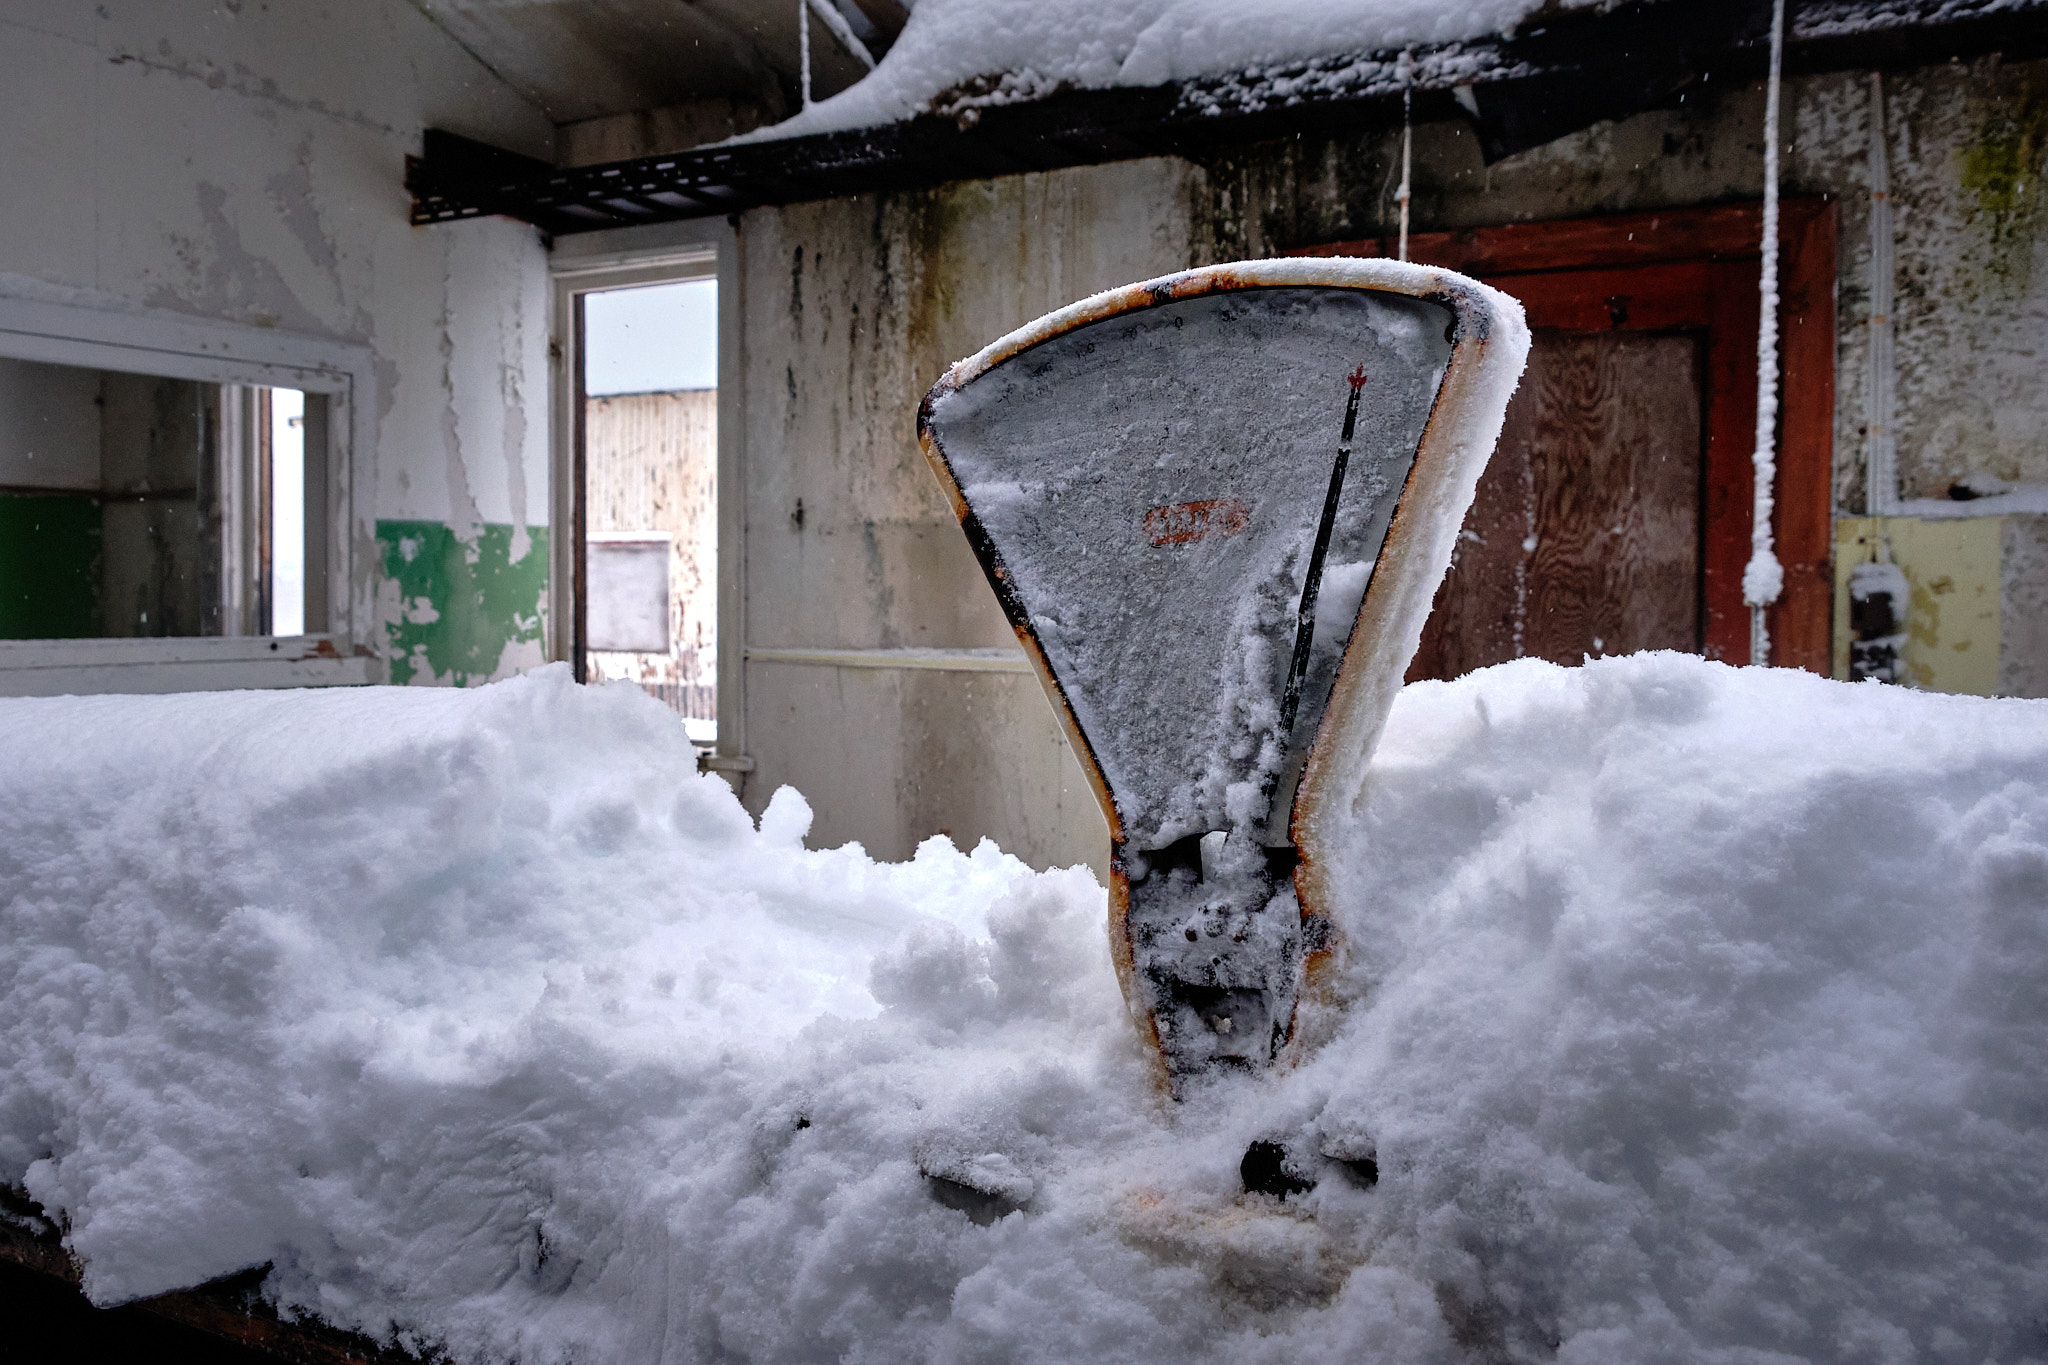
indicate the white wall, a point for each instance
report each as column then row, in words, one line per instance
column 243, row 161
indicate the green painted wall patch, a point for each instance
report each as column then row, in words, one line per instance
column 462, row 601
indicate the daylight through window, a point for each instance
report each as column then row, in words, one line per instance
column 650, row 494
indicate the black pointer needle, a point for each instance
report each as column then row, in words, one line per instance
column 1312, row 586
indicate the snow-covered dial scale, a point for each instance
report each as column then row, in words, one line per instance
column 1215, row 507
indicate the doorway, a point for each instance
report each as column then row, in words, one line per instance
column 1614, row 515
column 646, row 475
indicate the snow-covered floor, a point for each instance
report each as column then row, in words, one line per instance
column 1689, row 1013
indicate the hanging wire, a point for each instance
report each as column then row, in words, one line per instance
column 803, row 43
column 1880, row 472
column 1764, row 577
column 1407, row 141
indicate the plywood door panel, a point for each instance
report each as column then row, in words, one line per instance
column 1693, row 270
column 1585, row 534
column 1483, row 601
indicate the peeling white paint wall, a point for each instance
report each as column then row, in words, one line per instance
column 243, row 161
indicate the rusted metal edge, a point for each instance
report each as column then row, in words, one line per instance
column 1456, row 444
column 998, row 574
column 1490, row 345
column 231, row 1308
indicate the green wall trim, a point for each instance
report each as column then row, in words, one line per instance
column 462, row 600
column 49, row 566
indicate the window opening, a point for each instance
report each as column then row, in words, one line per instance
column 650, row 494
column 288, row 511
column 139, row 506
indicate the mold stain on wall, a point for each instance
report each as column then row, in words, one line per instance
column 2001, row 172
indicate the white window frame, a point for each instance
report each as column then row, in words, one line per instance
column 622, row 258
column 173, row 346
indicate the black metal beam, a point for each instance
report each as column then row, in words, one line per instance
column 1567, row 72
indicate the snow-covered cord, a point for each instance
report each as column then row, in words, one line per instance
column 1407, row 141
column 1880, row 468
column 803, row 46
column 1764, row 577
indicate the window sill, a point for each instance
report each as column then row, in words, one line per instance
column 46, row 668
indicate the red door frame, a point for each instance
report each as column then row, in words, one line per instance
column 1697, row 270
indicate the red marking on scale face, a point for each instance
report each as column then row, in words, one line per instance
column 1182, row 522
column 1358, row 378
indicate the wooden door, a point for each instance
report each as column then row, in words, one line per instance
column 1584, row 538
column 1639, row 410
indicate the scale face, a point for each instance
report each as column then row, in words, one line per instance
column 1182, row 494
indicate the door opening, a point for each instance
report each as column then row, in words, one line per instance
column 647, row 472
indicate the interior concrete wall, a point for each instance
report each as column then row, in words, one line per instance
column 49, row 426
column 2023, row 607
column 1967, row 143
column 159, row 534
column 241, row 160
column 852, row 308
column 1968, row 147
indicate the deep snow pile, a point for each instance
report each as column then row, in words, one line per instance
column 1690, row 1014
column 956, row 55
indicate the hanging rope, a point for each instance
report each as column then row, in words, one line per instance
column 803, row 44
column 1407, row 141
column 1880, row 474
column 1764, row 578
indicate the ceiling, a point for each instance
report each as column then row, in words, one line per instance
column 585, row 59
column 1604, row 63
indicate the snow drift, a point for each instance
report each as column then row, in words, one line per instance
column 1686, row 1013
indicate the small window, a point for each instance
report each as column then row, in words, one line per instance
column 136, row 506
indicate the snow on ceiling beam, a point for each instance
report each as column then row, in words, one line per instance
column 585, row 59
column 1549, row 80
